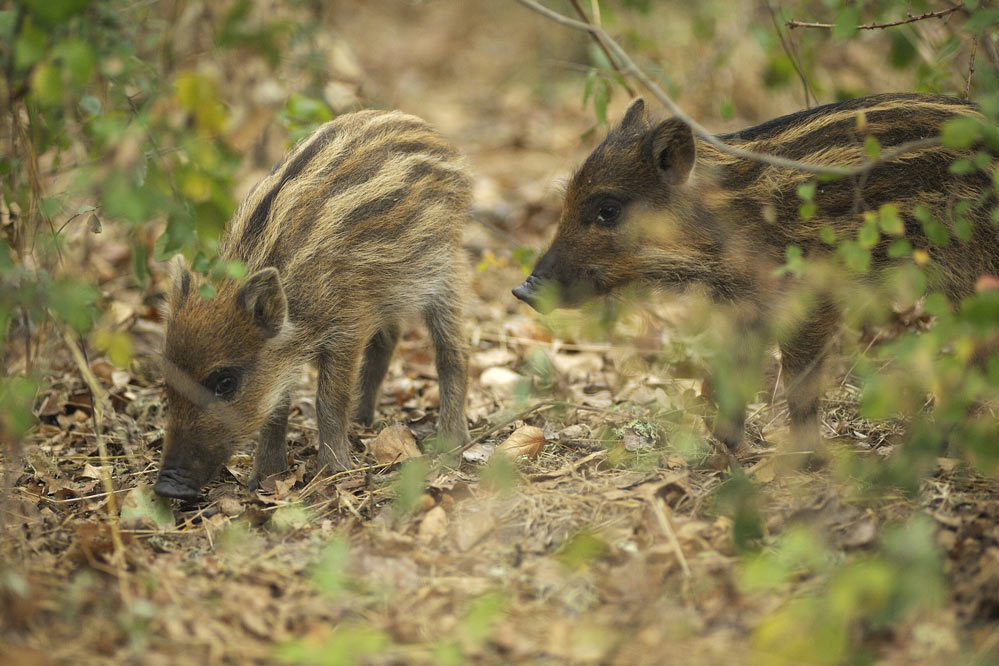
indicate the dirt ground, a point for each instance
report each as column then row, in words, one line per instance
column 611, row 546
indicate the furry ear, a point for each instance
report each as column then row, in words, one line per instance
column 671, row 148
column 180, row 282
column 262, row 298
column 635, row 113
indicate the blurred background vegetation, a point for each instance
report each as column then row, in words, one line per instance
column 131, row 129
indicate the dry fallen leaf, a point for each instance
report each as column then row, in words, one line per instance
column 393, row 444
column 524, row 441
column 479, row 453
column 433, row 526
column 142, row 509
column 501, row 381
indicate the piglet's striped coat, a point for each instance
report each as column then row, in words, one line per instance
column 354, row 232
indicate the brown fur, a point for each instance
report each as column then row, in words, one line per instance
column 690, row 214
column 356, row 231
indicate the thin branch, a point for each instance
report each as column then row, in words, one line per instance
column 971, row 68
column 596, row 38
column 791, row 54
column 98, row 401
column 630, row 68
column 791, row 24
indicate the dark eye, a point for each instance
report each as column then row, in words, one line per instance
column 223, row 383
column 607, row 213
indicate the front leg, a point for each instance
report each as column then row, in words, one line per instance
column 272, row 452
column 338, row 369
column 736, row 373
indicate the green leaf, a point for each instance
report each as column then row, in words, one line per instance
column 582, row 549
column 77, row 59
column 868, row 235
column 846, row 23
column 902, row 51
column 30, row 46
column 73, row 302
column 936, row 232
column 889, row 220
column 827, row 234
column 17, row 393
column 142, row 506
column 329, row 574
column 726, row 110
column 961, row 133
column 855, row 257
column 410, row 484
column 962, row 166
column 591, row 78
column 53, row 12
column 140, row 266
column 872, row 147
column 981, row 20
column 46, row 84
column 806, row 191
column 236, row 269
column 962, row 229
column 601, row 97
column 309, row 109
column 207, row 290
column 900, row 248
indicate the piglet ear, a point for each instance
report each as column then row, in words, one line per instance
column 671, row 147
column 180, row 283
column 262, row 298
column 635, row 114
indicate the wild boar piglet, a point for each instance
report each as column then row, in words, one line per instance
column 355, row 232
column 655, row 205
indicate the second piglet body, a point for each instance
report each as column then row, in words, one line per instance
column 356, row 231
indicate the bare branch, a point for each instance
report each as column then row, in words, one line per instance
column 630, row 68
column 596, row 38
column 971, row 68
column 878, row 26
column 791, row 54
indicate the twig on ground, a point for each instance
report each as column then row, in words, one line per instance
column 98, row 398
column 660, row 509
column 630, row 68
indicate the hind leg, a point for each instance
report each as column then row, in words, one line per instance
column 803, row 358
column 443, row 319
column 377, row 355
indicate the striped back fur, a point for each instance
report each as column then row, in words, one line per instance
column 689, row 213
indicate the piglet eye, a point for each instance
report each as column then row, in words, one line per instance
column 608, row 213
column 223, row 383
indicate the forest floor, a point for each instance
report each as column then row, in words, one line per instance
column 614, row 541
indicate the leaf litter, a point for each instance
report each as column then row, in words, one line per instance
column 597, row 541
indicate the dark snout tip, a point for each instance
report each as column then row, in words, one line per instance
column 169, row 489
column 168, row 485
column 527, row 291
column 524, row 292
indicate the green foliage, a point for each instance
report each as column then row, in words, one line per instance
column 581, row 549
column 97, row 93
column 869, row 591
column 410, row 484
